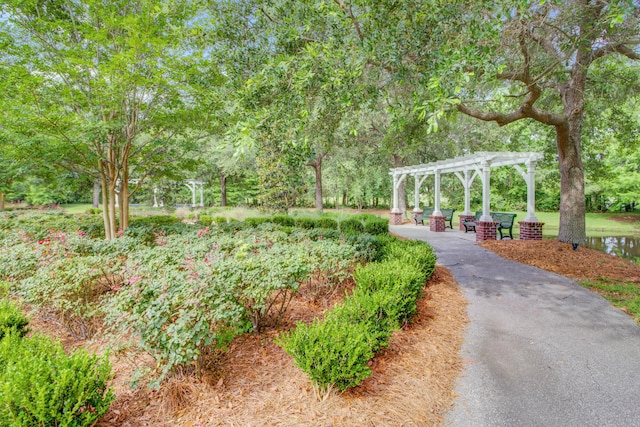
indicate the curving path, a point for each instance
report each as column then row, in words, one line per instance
column 540, row 349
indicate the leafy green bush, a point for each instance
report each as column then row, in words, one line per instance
column 363, row 217
column 333, row 354
column 205, row 219
column 376, row 226
column 12, row 319
column 328, row 223
column 376, row 310
column 255, row 221
column 232, row 226
column 396, row 277
column 412, row 252
column 351, row 225
column 306, row 223
column 220, row 220
column 70, row 288
column 41, row 386
column 368, row 247
column 284, row 220
column 153, row 221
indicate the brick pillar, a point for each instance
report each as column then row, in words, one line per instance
column 436, row 223
column 464, row 217
column 395, row 218
column 530, row 230
column 486, row 230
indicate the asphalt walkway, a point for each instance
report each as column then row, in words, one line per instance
column 540, row 349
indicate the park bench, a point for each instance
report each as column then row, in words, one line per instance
column 427, row 212
column 504, row 220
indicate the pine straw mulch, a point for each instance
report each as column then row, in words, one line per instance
column 255, row 383
column 558, row 257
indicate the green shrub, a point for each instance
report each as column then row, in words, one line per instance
column 232, row 226
column 220, row 220
column 255, row 221
column 362, row 217
column 284, row 220
column 40, row 385
column 377, row 310
column 70, row 288
column 306, row 223
column 393, row 276
column 205, row 219
column 12, row 319
column 368, row 247
column 153, row 221
column 351, row 225
column 412, row 252
column 333, row 354
column 376, row 226
column 328, row 223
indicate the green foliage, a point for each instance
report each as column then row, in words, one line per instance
column 335, row 352
column 284, row 220
column 352, row 226
column 155, row 221
column 220, row 220
column 376, row 226
column 255, row 221
column 11, row 319
column 205, row 219
column 71, row 288
column 40, row 385
column 328, row 223
column 623, row 295
column 306, row 223
column 332, row 353
column 412, row 252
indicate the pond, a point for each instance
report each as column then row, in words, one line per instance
column 623, row 246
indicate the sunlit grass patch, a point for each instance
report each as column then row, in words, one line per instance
column 625, row 296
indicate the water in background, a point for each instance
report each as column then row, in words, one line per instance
column 623, row 246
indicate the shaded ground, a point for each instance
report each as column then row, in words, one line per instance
column 256, row 383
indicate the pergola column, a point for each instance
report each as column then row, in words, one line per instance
column 486, row 192
column 395, row 218
column 466, row 181
column 201, row 194
column 436, row 197
column 530, row 227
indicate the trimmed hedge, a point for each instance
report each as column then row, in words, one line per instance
column 40, row 385
column 376, row 226
column 351, row 225
column 328, row 223
column 306, row 223
column 12, row 319
column 284, row 220
column 335, row 352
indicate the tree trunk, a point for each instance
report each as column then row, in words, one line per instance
column 124, row 196
column 223, row 190
column 96, row 194
column 2, row 200
column 402, row 194
column 572, row 198
column 108, row 232
column 317, row 167
column 344, row 198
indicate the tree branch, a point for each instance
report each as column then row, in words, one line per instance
column 620, row 48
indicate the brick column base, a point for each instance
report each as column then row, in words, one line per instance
column 463, row 218
column 395, row 218
column 436, row 223
column 486, row 230
column 530, row 230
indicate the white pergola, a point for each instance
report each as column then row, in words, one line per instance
column 467, row 168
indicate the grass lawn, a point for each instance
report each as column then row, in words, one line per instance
column 625, row 296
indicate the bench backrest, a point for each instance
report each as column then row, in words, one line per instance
column 505, row 219
column 426, row 212
column 447, row 213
